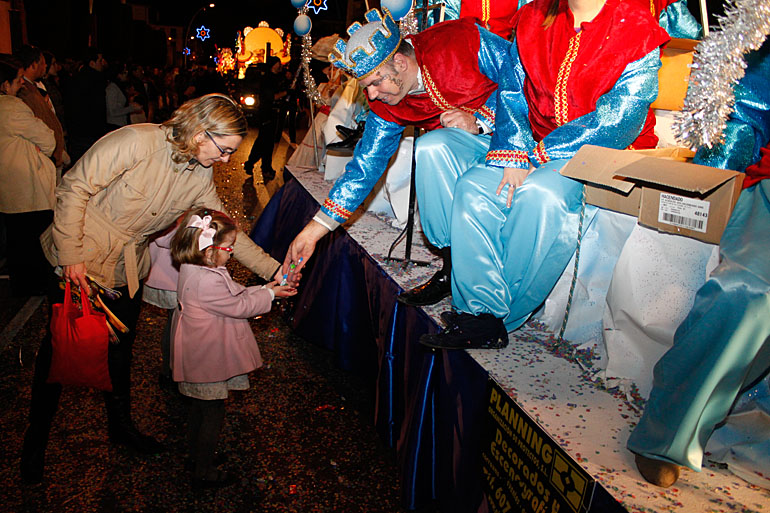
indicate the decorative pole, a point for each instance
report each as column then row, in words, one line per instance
column 187, row 31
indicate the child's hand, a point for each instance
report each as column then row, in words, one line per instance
column 281, row 290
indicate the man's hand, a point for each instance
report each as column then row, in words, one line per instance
column 280, row 278
column 76, row 274
column 513, row 177
column 301, row 249
column 457, row 118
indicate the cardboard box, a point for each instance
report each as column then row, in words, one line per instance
column 674, row 74
column 669, row 195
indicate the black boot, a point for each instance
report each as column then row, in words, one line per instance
column 42, row 409
column 36, row 438
column 433, row 290
column 121, row 428
column 468, row 331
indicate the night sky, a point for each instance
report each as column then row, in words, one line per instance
column 229, row 16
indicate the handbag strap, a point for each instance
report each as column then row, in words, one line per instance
column 67, row 294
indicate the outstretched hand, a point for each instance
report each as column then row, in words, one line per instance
column 281, row 290
column 301, row 249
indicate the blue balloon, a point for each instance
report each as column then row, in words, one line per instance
column 302, row 25
column 297, row 4
column 398, row 8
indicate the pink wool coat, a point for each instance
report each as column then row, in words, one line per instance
column 211, row 337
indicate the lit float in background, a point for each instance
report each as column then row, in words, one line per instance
column 225, row 60
column 250, row 48
column 252, row 43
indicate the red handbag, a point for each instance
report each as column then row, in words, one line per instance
column 80, row 341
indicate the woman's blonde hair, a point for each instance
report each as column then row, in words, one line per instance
column 216, row 113
column 184, row 245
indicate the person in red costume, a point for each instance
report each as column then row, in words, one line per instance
column 493, row 15
column 445, row 80
column 590, row 70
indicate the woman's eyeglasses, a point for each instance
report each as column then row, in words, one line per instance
column 229, row 250
column 221, row 151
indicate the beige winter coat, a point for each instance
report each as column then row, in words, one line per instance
column 124, row 189
column 27, row 175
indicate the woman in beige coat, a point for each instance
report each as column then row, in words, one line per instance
column 130, row 184
column 27, row 181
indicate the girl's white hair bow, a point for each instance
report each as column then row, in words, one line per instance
column 206, row 238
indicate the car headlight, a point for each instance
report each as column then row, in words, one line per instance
column 248, row 101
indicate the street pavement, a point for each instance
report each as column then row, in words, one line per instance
column 301, row 439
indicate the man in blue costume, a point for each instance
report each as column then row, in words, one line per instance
column 722, row 348
column 455, row 76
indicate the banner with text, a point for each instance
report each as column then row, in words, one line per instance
column 524, row 470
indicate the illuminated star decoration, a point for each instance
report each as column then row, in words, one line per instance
column 186, row 51
column 317, row 5
column 204, row 33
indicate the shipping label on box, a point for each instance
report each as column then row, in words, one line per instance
column 683, row 212
column 671, row 196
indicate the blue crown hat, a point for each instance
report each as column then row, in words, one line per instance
column 369, row 46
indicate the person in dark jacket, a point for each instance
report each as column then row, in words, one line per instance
column 268, row 78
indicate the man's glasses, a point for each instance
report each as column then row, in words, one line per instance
column 221, row 151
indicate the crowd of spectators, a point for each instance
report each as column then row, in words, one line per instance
column 81, row 99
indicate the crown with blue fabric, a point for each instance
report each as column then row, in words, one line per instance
column 369, row 46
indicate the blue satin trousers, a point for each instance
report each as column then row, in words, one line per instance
column 441, row 158
column 720, row 349
column 505, row 260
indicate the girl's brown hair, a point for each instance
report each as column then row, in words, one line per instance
column 184, row 246
column 553, row 10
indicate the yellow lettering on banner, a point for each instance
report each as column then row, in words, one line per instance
column 494, row 398
column 547, row 454
column 527, row 460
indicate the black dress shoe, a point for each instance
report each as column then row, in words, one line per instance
column 448, row 317
column 468, row 331
column 430, row 292
column 345, row 146
column 345, row 131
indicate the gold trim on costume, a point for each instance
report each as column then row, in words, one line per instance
column 380, row 64
column 508, row 155
column 561, row 105
column 541, row 155
column 488, row 113
column 336, row 209
column 436, row 96
column 485, row 11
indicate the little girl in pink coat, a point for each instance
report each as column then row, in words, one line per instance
column 213, row 347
